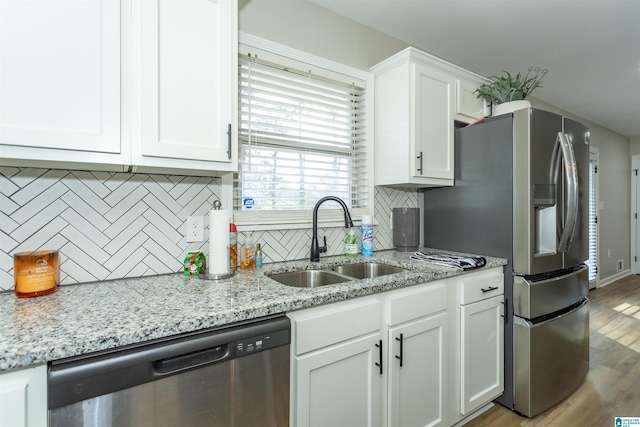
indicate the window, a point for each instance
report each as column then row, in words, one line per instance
column 592, row 262
column 302, row 136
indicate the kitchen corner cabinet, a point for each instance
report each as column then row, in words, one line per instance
column 23, row 397
column 119, row 85
column 476, row 306
column 372, row 361
column 416, row 105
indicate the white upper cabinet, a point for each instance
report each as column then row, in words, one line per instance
column 60, row 81
column 468, row 107
column 108, row 84
column 416, row 105
column 186, row 81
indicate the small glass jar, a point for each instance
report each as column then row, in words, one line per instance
column 248, row 252
column 35, row 273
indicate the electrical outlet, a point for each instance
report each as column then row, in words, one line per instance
column 620, row 265
column 195, row 229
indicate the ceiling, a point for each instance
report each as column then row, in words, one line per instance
column 591, row 48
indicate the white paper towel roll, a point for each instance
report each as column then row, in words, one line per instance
column 218, row 258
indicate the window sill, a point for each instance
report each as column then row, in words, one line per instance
column 262, row 221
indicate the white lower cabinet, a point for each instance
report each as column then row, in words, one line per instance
column 372, row 361
column 417, row 372
column 339, row 385
column 23, row 397
column 481, row 375
column 476, row 308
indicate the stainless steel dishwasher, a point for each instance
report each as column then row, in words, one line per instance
column 233, row 376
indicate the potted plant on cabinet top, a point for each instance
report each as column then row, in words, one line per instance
column 507, row 93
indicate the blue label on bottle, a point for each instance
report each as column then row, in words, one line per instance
column 367, row 240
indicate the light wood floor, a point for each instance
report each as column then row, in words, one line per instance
column 612, row 387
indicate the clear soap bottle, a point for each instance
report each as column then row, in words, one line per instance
column 248, row 253
column 351, row 244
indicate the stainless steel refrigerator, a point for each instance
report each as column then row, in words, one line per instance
column 521, row 193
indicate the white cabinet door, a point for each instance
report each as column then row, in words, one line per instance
column 339, row 385
column 414, row 121
column 417, row 372
column 23, row 397
column 432, row 118
column 187, row 84
column 60, row 80
column 481, row 378
column 468, row 107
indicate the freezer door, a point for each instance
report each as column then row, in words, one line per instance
column 551, row 359
column 542, row 295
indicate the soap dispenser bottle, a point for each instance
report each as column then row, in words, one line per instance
column 351, row 244
column 248, row 253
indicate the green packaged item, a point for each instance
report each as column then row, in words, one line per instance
column 195, row 263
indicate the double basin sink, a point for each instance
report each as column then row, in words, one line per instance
column 333, row 275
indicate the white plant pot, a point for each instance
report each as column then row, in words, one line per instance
column 510, row 107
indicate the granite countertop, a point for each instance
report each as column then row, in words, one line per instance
column 84, row 318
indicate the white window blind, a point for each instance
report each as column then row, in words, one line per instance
column 301, row 137
column 592, row 262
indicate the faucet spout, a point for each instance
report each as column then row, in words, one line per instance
column 315, row 248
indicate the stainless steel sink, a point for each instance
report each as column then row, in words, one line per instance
column 367, row 270
column 309, row 278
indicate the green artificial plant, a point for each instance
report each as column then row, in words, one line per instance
column 510, row 88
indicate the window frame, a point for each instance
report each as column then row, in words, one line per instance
column 270, row 220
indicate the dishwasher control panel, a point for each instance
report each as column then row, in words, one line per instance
column 261, row 342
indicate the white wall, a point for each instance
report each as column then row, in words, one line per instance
column 313, row 29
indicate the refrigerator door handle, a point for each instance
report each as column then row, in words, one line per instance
column 571, row 175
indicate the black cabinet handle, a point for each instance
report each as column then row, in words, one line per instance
column 420, row 168
column 401, row 357
column 489, row 289
column 505, row 315
column 379, row 345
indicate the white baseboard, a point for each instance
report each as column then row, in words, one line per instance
column 619, row 275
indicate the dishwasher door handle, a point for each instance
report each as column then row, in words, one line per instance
column 172, row 365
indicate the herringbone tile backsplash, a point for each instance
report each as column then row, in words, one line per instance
column 115, row 225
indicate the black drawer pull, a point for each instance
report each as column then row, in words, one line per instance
column 401, row 357
column 380, row 355
column 489, row 289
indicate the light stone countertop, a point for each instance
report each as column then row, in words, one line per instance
column 85, row 318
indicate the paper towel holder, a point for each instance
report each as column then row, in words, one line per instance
column 218, row 276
